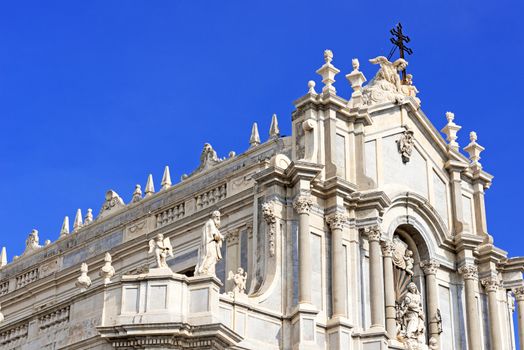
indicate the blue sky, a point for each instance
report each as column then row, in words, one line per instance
column 95, row 95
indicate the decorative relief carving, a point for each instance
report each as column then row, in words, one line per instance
column 303, row 204
column 271, row 220
column 402, row 256
column 55, row 318
column 208, row 159
column 373, row 233
column 211, row 197
column 170, row 215
column 26, row 278
column 491, row 284
column 405, row 145
column 336, row 221
column 430, row 267
column 239, row 279
column 469, row 272
column 14, row 335
column 112, row 203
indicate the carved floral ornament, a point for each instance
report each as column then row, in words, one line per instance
column 302, row 204
column 491, row 284
column 405, row 145
column 268, row 211
column 387, row 248
column 469, row 272
column 519, row 293
column 430, row 267
column 336, row 221
column 373, row 233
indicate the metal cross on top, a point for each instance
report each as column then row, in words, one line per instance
column 399, row 40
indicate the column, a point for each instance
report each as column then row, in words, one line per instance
column 302, row 205
column 430, row 268
column 375, row 277
column 336, row 222
column 389, row 289
column 470, row 275
column 491, row 284
column 519, row 295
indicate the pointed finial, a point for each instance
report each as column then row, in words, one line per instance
column 356, row 78
column 77, row 225
column 150, row 187
column 65, row 227
column 311, row 85
column 274, row 131
column 166, row 178
column 450, row 130
column 3, row 257
column 328, row 73
column 89, row 217
column 474, row 150
column 254, row 140
column 137, row 194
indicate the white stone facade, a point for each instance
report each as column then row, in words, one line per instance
column 365, row 230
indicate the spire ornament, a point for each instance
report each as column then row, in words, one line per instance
column 254, row 140
column 474, row 150
column 274, row 131
column 64, row 231
column 328, row 73
column 150, row 186
column 77, row 225
column 450, row 130
column 137, row 194
column 3, row 257
column 89, row 217
column 166, row 179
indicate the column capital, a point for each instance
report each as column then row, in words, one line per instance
column 302, row 204
column 233, row 236
column 519, row 293
column 336, row 221
column 490, row 283
column 430, row 266
column 469, row 272
column 373, row 232
column 387, row 248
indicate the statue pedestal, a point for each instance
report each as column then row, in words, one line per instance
column 304, row 327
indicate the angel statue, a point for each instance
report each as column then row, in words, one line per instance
column 211, row 242
column 162, row 248
column 389, row 70
column 239, row 279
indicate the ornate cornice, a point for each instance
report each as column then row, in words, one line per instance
column 430, row 266
column 373, row 232
column 469, row 272
column 336, row 221
column 491, row 284
column 302, row 204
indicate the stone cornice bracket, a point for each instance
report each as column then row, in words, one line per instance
column 430, row 266
column 300, row 170
column 303, row 204
column 373, row 233
column 336, row 221
column 491, row 284
column 469, row 272
column 387, row 248
column 519, row 293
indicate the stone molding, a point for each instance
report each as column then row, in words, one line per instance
column 336, row 221
column 387, row 248
column 469, row 272
column 373, row 233
column 302, row 204
column 519, row 293
column 430, row 266
column 491, row 284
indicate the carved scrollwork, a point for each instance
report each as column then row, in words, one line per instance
column 271, row 220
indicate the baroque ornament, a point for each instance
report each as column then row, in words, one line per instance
column 302, row 204
column 386, row 86
column 336, row 221
column 107, row 271
column 491, row 284
column 209, row 253
column 271, row 221
column 430, row 267
column 162, row 248
column 411, row 319
column 239, row 279
column 405, row 145
column 469, row 272
column 402, row 256
column 83, row 282
column 112, row 203
column 373, row 232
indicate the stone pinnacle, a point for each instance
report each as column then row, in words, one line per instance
column 150, row 187
column 65, row 227
column 3, row 257
column 254, row 140
column 166, row 178
column 77, row 225
column 274, row 131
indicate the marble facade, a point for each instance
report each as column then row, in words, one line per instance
column 365, row 229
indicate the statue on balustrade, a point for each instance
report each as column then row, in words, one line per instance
column 162, row 248
column 209, row 253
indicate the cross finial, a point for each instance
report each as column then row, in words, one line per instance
column 399, row 40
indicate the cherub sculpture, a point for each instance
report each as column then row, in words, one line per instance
column 162, row 248
column 408, row 258
column 239, row 279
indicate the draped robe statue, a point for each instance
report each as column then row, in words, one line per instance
column 412, row 319
column 211, row 242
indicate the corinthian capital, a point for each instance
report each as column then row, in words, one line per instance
column 387, row 248
column 373, row 233
column 336, row 221
column 519, row 293
column 469, row 272
column 430, row 267
column 491, row 284
column 302, row 204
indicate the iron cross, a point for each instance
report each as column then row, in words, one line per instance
column 399, row 40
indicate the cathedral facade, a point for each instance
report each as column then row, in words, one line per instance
column 364, row 230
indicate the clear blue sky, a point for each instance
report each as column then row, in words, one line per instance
column 95, row 95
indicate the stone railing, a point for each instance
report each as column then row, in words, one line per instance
column 57, row 317
column 26, row 278
column 170, row 215
column 15, row 334
column 4, row 287
column 211, row 197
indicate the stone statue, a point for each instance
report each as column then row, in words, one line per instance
column 411, row 319
column 408, row 258
column 406, row 144
column 211, row 242
column 387, row 86
column 239, row 279
column 32, row 242
column 389, row 70
column 162, row 248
